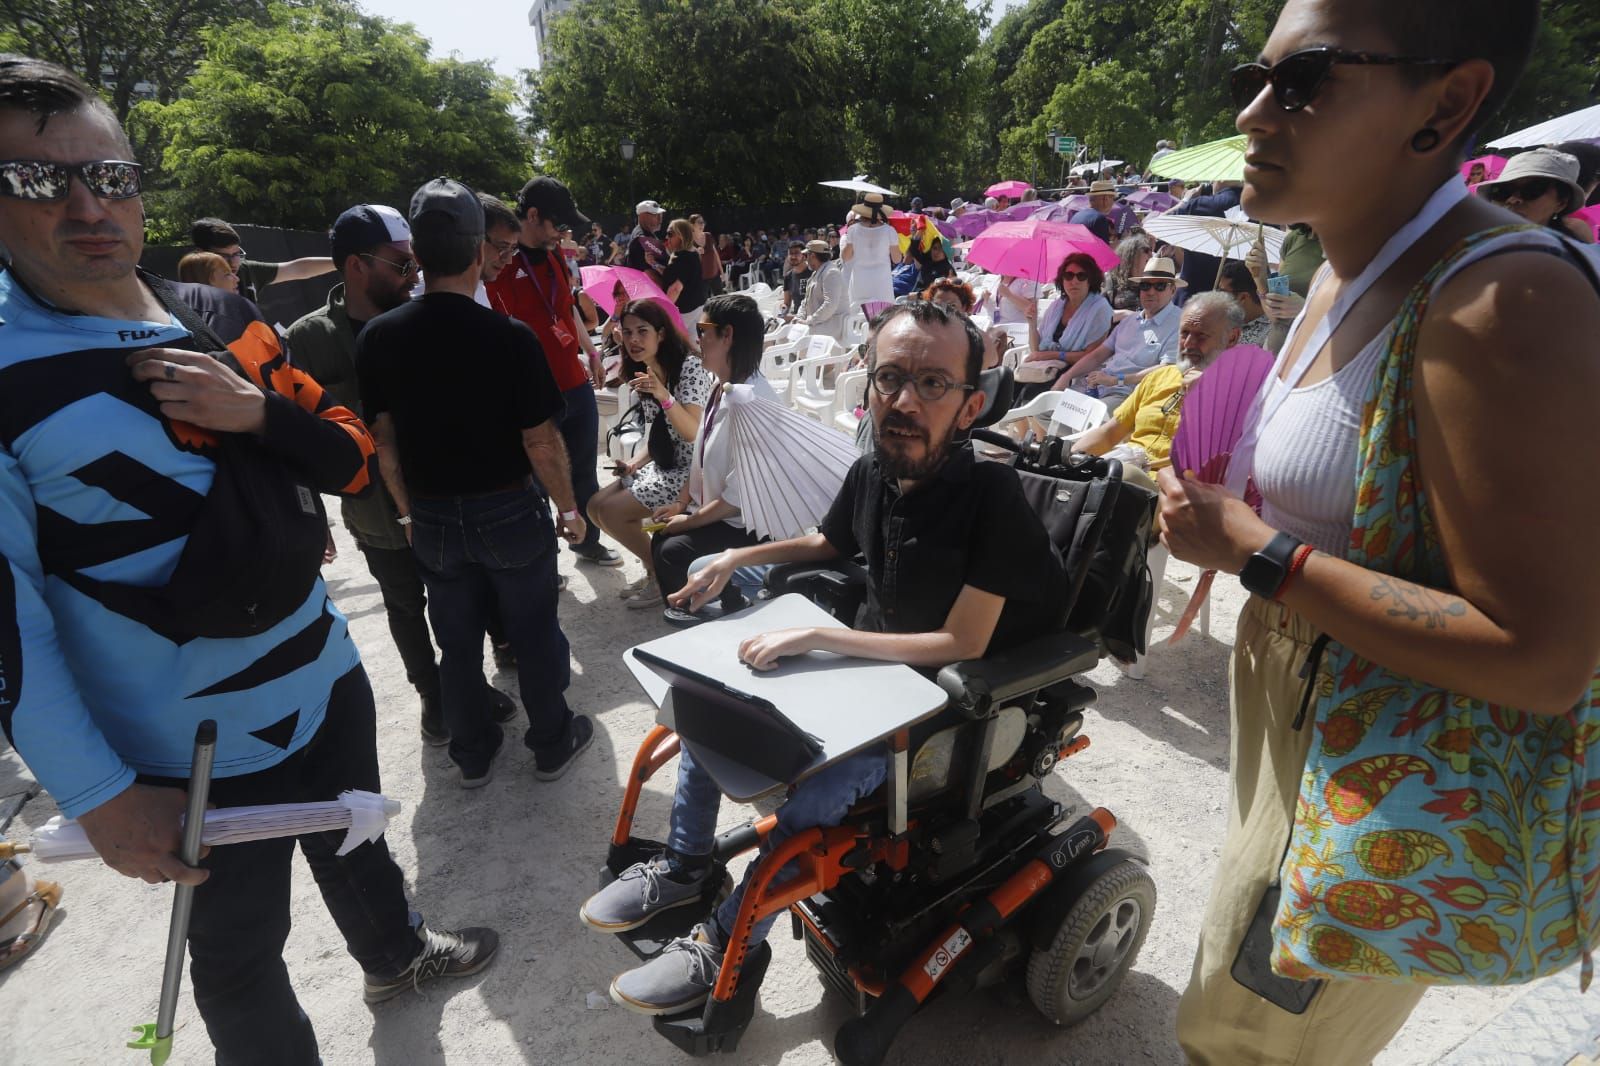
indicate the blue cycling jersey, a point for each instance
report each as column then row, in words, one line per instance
column 96, row 487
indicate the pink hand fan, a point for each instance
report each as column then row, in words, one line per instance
column 1214, row 412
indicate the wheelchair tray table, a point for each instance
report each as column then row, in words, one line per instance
column 846, row 703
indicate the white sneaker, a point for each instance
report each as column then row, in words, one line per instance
column 646, row 597
column 633, row 588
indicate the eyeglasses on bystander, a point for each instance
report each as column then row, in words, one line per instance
column 930, row 388
column 46, row 181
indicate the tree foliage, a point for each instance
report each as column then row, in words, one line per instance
column 733, row 102
column 290, row 122
column 120, row 44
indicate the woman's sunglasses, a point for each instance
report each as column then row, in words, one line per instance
column 1526, row 191
column 1298, row 77
column 1074, row 275
column 38, row 179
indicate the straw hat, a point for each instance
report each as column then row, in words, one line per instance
column 1098, row 187
column 822, row 248
column 1161, row 269
column 1544, row 163
column 872, row 205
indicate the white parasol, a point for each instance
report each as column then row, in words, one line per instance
column 1578, row 126
column 364, row 814
column 859, row 183
column 1228, row 237
column 1084, row 168
column 789, row 467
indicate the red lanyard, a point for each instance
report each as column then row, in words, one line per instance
column 548, row 300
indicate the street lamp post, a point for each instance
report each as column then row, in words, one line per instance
column 628, row 149
column 1052, row 142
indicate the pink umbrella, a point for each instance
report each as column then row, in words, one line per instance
column 600, row 282
column 1011, row 190
column 1492, row 165
column 1590, row 215
column 1034, row 249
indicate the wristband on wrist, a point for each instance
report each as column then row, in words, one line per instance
column 1298, row 563
column 404, row 520
column 568, row 516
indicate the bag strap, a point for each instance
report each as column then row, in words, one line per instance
column 187, row 316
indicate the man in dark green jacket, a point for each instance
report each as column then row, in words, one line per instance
column 372, row 250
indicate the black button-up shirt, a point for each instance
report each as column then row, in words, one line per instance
column 968, row 524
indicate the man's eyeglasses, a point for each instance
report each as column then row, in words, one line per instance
column 233, row 258
column 404, row 268
column 1298, row 77
column 1155, row 286
column 1526, row 191
column 41, row 180
column 930, row 388
column 503, row 249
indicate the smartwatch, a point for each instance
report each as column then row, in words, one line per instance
column 1264, row 574
column 403, row 520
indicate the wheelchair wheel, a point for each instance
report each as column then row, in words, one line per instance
column 1096, row 942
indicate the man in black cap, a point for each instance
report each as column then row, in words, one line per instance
column 457, row 441
column 536, row 288
column 372, row 252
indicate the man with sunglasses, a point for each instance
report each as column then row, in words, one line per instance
column 958, row 567
column 114, row 416
column 367, row 241
column 1137, row 345
column 216, row 236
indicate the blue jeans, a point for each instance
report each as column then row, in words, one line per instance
column 498, row 550
column 580, row 429
column 241, row 913
column 819, row 800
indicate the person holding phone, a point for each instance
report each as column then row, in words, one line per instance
column 673, row 387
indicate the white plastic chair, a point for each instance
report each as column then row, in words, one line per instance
column 768, row 299
column 775, row 362
column 855, row 328
column 849, row 393
column 1075, row 413
column 809, row 392
column 1157, row 559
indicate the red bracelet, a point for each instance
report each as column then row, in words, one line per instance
column 1298, row 563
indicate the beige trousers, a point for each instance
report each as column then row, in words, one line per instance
column 1220, row 1022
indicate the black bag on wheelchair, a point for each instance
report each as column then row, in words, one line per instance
column 1102, row 525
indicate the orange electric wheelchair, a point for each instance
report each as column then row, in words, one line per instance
column 960, row 871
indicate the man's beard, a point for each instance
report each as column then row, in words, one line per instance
column 901, row 466
column 390, row 298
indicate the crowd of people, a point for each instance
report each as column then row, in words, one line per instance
column 132, row 408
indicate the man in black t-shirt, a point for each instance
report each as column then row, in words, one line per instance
column 458, row 439
column 958, row 567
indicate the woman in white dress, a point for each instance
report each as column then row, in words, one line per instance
column 871, row 249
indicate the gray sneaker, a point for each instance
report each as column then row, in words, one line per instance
column 639, row 893
column 678, row 979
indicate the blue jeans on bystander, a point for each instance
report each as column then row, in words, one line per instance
column 498, row 549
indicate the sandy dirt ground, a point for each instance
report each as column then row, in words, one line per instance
column 521, row 855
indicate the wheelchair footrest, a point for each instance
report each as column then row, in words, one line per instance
column 718, row 1026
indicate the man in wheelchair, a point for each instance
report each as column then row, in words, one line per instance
column 958, row 567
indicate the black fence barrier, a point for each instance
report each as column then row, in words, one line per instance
column 282, row 303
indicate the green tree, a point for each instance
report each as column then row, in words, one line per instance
column 728, row 102
column 121, row 44
column 289, row 123
column 1109, row 108
column 912, row 84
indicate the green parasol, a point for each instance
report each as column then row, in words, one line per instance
column 1217, row 161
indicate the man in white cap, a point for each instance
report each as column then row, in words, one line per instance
column 646, row 252
column 1137, row 345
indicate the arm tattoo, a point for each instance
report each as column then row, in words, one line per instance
column 1416, row 603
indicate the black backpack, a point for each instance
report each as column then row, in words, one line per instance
column 255, row 549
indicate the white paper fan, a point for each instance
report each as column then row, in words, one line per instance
column 790, row 467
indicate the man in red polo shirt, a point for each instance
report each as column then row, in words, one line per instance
column 536, row 287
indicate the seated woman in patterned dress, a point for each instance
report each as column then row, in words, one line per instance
column 672, row 387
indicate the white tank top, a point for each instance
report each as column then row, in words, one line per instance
column 1305, row 460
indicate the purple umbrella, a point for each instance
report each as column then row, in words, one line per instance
column 975, row 222
column 1153, row 200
